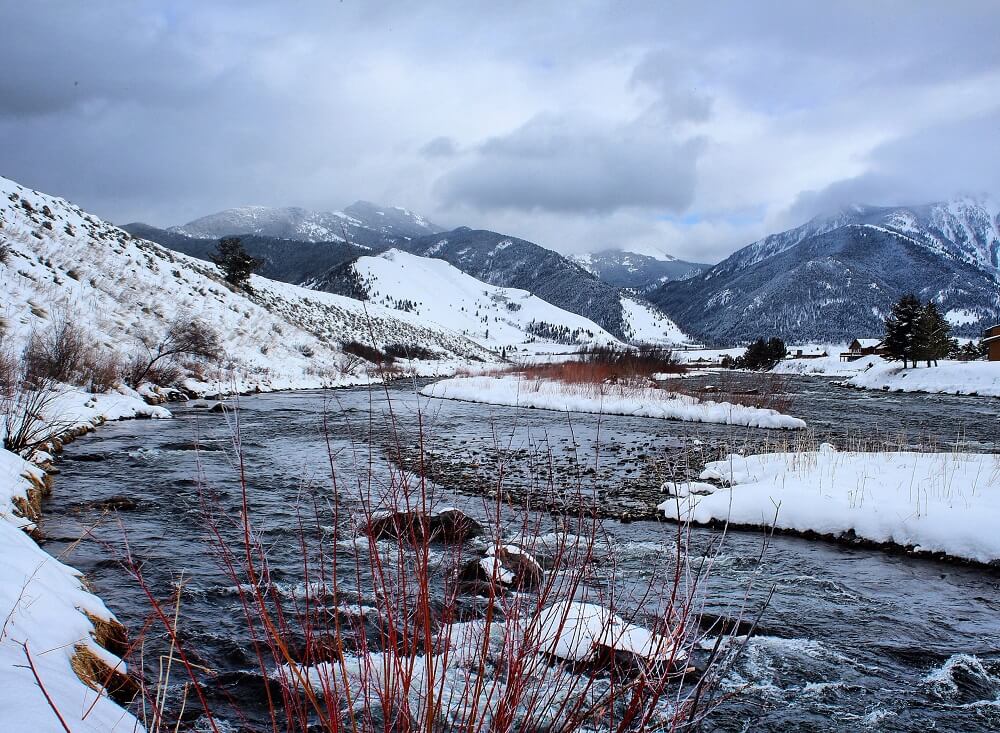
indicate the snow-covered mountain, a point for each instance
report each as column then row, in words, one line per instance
column 362, row 223
column 493, row 258
column 63, row 262
column 836, row 277
column 439, row 293
column 634, row 270
column 506, row 261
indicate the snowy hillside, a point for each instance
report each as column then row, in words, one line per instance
column 510, row 262
column 648, row 325
column 964, row 229
column 437, row 292
column 63, row 263
column 356, row 224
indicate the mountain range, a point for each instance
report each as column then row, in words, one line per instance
column 495, row 259
column 836, row 277
column 832, row 279
column 634, row 270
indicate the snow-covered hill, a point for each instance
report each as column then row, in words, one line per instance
column 64, row 263
column 500, row 259
column 360, row 223
column 437, row 292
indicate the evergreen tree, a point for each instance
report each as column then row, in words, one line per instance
column 762, row 355
column 932, row 340
column 901, row 330
column 234, row 262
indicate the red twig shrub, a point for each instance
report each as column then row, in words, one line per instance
column 408, row 617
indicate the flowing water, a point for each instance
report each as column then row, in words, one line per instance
column 852, row 639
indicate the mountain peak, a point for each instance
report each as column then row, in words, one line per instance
column 361, row 222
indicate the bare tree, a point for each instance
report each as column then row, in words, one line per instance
column 183, row 337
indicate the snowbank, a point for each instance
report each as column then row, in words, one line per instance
column 45, row 606
column 516, row 391
column 932, row 502
column 827, row 366
column 949, row 377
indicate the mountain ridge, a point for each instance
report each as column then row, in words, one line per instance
column 836, row 276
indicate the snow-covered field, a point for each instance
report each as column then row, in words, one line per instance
column 517, row 391
column 932, row 502
column 43, row 602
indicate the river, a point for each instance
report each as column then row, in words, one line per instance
column 852, row 639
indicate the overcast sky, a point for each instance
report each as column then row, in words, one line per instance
column 692, row 128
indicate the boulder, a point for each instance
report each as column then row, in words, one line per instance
column 449, row 526
column 509, row 565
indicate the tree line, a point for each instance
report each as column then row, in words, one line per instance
column 916, row 331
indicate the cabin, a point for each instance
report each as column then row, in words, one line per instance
column 807, row 354
column 859, row 348
column 992, row 340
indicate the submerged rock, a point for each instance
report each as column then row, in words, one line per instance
column 449, row 526
column 508, row 565
column 117, row 503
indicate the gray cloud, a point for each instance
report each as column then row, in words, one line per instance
column 578, row 126
column 557, row 164
column 440, row 147
column 923, row 167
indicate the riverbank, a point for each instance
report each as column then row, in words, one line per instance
column 60, row 645
column 515, row 390
column 940, row 504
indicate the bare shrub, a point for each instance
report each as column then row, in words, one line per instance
column 604, row 364
column 409, row 351
column 102, row 370
column 159, row 355
column 59, row 354
column 4, row 253
column 366, row 352
column 385, row 633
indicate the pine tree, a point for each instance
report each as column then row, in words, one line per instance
column 234, row 262
column 901, row 339
column 932, row 336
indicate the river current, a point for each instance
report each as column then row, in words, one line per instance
column 852, row 639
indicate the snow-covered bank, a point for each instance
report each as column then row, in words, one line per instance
column 949, row 377
column 48, row 613
column 827, row 366
column 931, row 502
column 516, row 391
column 874, row 372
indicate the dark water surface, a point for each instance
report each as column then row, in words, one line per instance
column 853, row 639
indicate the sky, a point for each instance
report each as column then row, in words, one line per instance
column 688, row 128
